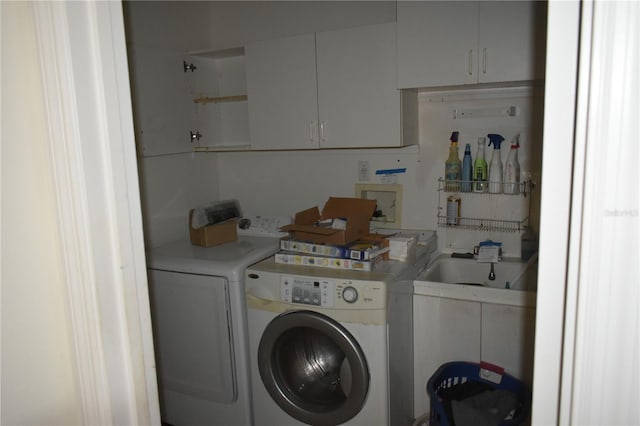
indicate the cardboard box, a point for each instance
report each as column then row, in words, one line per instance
column 213, row 235
column 356, row 211
column 326, row 262
column 359, row 250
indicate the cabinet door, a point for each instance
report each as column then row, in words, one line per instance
column 444, row 330
column 508, row 338
column 160, row 89
column 437, row 43
column 281, row 86
column 358, row 103
column 511, row 41
column 194, row 350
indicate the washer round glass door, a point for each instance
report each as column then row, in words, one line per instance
column 313, row 368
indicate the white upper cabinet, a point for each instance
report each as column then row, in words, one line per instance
column 334, row 89
column 437, row 43
column 358, row 103
column 161, row 99
column 457, row 43
column 281, row 86
column 512, row 41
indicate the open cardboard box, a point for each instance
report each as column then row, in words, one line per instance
column 213, row 235
column 356, row 211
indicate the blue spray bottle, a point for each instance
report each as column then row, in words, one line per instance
column 495, row 166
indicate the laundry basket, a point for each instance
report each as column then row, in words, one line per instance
column 486, row 376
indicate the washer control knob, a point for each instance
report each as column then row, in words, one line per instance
column 350, row 294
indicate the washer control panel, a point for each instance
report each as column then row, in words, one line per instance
column 332, row 293
column 307, row 291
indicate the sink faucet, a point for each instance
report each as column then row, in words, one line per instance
column 492, row 273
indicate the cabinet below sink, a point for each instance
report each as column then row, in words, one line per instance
column 460, row 322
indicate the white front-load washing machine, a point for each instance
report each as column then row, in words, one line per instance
column 200, row 331
column 318, row 342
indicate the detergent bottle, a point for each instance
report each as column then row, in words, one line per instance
column 480, row 168
column 512, row 168
column 495, row 165
column 453, row 166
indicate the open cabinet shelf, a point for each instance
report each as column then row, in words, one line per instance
column 218, row 89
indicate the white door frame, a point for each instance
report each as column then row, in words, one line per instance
column 586, row 365
column 86, row 83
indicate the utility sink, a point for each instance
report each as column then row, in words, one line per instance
column 518, row 274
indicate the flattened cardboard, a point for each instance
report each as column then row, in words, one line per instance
column 357, row 212
column 213, row 235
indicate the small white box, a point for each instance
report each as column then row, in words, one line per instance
column 402, row 247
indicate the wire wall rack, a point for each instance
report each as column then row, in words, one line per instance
column 493, row 222
column 482, row 224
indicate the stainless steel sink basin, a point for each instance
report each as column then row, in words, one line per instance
column 445, row 269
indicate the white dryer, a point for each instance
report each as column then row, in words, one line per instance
column 200, row 332
column 318, row 341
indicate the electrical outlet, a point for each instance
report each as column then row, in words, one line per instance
column 363, row 171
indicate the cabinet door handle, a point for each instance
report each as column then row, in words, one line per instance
column 470, row 62
column 323, row 131
column 484, row 60
column 311, row 126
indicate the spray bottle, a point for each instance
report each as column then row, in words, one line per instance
column 467, row 169
column 452, row 167
column 480, row 168
column 512, row 168
column 495, row 166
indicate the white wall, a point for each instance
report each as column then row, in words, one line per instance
column 282, row 183
column 158, row 34
column 38, row 378
column 177, row 25
column 236, row 23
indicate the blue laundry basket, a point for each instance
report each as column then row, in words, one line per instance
column 453, row 373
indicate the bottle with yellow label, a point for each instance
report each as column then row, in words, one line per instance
column 453, row 166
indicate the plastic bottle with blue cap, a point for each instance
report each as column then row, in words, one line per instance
column 495, row 166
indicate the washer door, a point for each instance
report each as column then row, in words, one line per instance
column 313, row 368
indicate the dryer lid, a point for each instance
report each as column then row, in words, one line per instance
column 227, row 260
